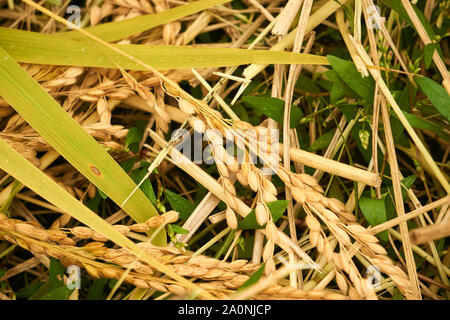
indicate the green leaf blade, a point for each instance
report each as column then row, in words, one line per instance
column 64, row 134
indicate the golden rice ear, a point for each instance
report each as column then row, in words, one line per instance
column 261, row 213
column 231, row 218
column 186, row 106
column 253, row 180
column 268, row 250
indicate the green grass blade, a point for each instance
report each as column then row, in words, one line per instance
column 117, row 30
column 64, row 134
column 21, row 169
column 33, row 47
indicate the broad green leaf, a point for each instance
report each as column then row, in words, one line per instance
column 60, row 293
column 39, row 48
column 29, row 290
column 374, row 211
column 274, row 108
column 340, row 88
column 307, row 84
column 420, row 123
column 180, row 204
column 96, row 289
column 276, row 208
column 146, row 187
column 56, row 272
column 118, row 30
column 133, row 138
column 254, row 278
column 178, row 229
column 437, row 95
column 93, row 203
column 245, row 250
column 21, row 169
column 346, row 70
column 128, row 164
column 64, row 134
column 323, row 141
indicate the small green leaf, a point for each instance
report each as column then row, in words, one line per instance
column 29, row 290
column 60, row 293
column 323, row 141
column 428, row 53
column 374, row 211
column 437, row 95
column 276, row 208
column 2, row 272
column 420, row 123
column 96, row 290
column 178, row 229
column 274, row 108
column 180, row 204
column 102, row 194
column 397, row 295
column 146, row 187
column 41, row 291
column 407, row 183
column 134, row 137
column 253, row 278
column 56, row 273
column 346, row 70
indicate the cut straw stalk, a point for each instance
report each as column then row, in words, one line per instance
column 430, row 233
column 307, row 158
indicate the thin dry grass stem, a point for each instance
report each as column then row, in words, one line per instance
column 294, row 71
column 430, row 233
column 386, row 35
column 263, row 10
